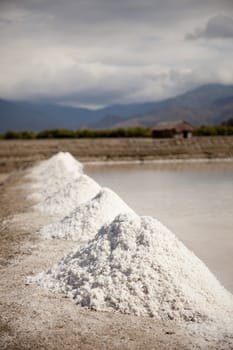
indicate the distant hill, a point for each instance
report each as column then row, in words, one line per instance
column 34, row 116
column 208, row 104
column 170, row 112
column 204, row 95
column 26, row 115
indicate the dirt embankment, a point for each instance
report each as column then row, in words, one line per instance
column 22, row 153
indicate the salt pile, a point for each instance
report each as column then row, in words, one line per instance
column 57, row 165
column 136, row 265
column 68, row 197
column 85, row 221
column 52, row 174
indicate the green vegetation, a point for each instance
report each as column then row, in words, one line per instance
column 226, row 128
column 207, row 130
column 228, row 122
column 204, row 130
column 9, row 135
column 85, row 133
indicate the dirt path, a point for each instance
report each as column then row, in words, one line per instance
column 34, row 318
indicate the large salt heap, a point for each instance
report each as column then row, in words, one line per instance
column 72, row 194
column 136, row 265
column 52, row 174
column 85, row 221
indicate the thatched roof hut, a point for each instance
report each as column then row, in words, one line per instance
column 179, row 128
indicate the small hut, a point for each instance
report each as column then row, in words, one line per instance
column 179, row 128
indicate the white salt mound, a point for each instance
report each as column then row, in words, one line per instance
column 136, row 265
column 52, row 174
column 68, row 197
column 60, row 163
column 85, row 221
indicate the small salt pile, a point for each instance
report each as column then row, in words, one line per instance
column 137, row 266
column 57, row 165
column 69, row 196
column 52, row 174
column 85, row 221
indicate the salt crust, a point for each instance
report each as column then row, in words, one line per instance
column 68, row 197
column 60, row 163
column 52, row 174
column 136, row 265
column 85, row 221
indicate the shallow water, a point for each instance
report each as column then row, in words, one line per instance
column 194, row 200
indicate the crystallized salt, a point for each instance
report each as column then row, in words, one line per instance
column 85, row 221
column 60, row 163
column 68, row 197
column 52, row 174
column 136, row 265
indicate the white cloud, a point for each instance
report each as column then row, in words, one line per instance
column 102, row 52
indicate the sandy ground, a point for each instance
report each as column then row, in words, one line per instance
column 34, row 318
column 22, row 153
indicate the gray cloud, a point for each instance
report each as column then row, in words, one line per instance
column 220, row 26
column 97, row 52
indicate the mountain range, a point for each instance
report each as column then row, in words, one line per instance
column 207, row 104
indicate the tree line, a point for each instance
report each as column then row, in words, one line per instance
column 205, row 130
column 84, row 133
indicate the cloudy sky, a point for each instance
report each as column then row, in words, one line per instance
column 98, row 52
